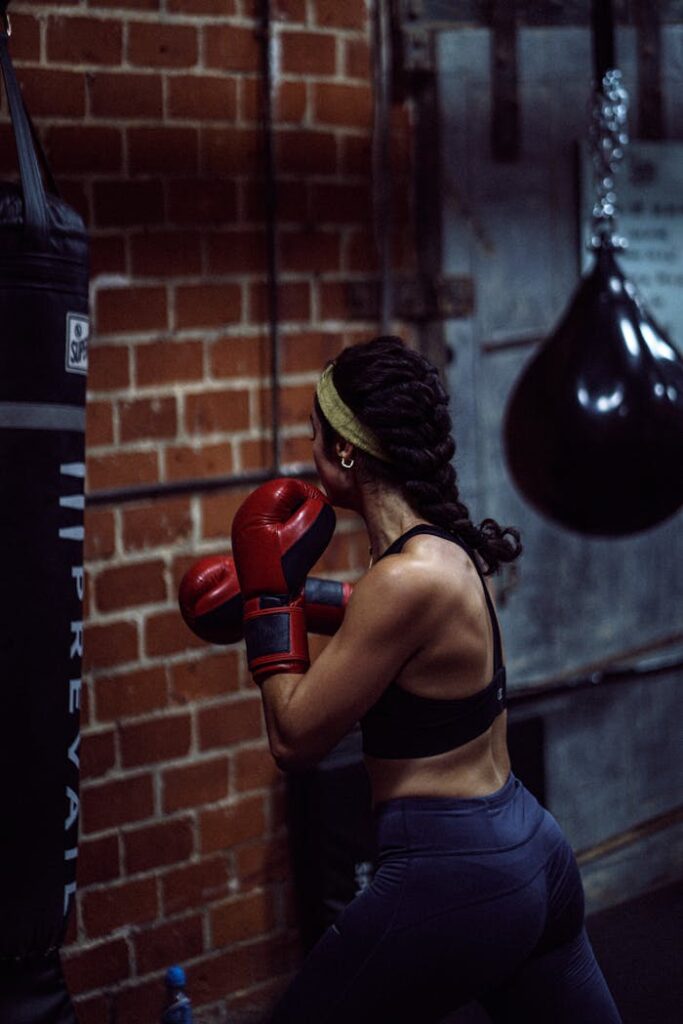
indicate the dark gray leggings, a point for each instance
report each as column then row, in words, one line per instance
column 472, row 899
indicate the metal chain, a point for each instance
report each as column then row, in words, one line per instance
column 608, row 139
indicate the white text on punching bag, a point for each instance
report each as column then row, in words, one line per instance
column 76, row 503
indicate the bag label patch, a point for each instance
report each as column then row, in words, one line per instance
column 77, row 334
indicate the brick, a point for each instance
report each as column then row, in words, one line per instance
column 240, row 968
column 337, row 203
column 233, row 722
column 291, row 102
column 74, row 40
column 309, row 152
column 48, row 93
column 105, row 910
column 254, row 768
column 243, row 917
column 100, row 534
column 352, row 14
column 107, row 255
column 194, row 885
column 82, row 149
column 290, row 11
column 132, row 693
column 161, row 524
column 168, row 943
column 25, row 42
column 294, row 301
column 168, row 362
column 256, row 454
column 355, row 157
column 224, row 7
column 207, row 305
column 218, row 510
column 166, row 634
column 357, row 58
column 342, row 104
column 334, row 300
column 216, row 411
column 104, row 964
column 231, row 150
column 92, row 1010
column 98, row 860
column 99, row 422
column 309, row 351
column 202, row 97
column 137, row 5
column 74, row 195
column 122, row 470
column 110, row 644
column 108, row 368
column 184, row 463
column 166, row 254
column 210, row 677
column 127, row 586
column 223, row 828
column 138, row 1002
column 154, row 44
column 296, row 404
column 309, row 53
column 203, row 200
column 97, row 752
column 310, row 250
column 158, row 845
column 164, row 150
column 297, row 450
column 121, row 310
column 195, row 784
column 231, row 49
column 112, row 804
column 293, row 206
column 125, row 95
column 156, row 740
column 237, row 252
column 145, row 418
column 263, row 861
column 128, row 203
column 240, row 357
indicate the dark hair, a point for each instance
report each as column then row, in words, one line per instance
column 397, row 394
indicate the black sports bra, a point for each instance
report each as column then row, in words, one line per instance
column 403, row 724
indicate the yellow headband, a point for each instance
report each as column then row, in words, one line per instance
column 343, row 420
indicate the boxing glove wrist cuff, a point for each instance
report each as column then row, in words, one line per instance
column 276, row 638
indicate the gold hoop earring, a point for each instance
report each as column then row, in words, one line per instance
column 347, row 463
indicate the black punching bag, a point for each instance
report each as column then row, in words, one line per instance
column 594, row 426
column 43, row 362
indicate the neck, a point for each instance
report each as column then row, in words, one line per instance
column 387, row 516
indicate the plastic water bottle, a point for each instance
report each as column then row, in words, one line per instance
column 178, row 1007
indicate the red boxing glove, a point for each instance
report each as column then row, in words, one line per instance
column 212, row 607
column 278, row 533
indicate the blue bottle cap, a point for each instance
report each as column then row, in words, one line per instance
column 175, row 977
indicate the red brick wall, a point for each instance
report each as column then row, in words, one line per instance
column 149, row 112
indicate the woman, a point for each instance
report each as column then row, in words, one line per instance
column 477, row 893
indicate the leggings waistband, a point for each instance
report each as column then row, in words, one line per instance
column 503, row 819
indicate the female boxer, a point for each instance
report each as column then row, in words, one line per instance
column 477, row 894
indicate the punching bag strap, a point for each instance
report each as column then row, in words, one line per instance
column 35, row 204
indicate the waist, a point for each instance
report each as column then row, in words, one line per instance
column 505, row 819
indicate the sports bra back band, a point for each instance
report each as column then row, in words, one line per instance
column 404, row 725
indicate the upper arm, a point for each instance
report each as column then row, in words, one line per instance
column 382, row 629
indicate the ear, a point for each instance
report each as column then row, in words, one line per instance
column 344, row 449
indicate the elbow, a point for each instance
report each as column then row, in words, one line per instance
column 289, row 758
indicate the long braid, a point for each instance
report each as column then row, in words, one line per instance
column 398, row 395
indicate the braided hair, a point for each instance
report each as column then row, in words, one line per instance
column 397, row 394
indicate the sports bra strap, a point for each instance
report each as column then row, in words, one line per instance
column 438, row 531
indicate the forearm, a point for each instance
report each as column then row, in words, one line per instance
column 290, row 744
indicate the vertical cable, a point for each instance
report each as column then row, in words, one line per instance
column 268, row 41
column 381, row 160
